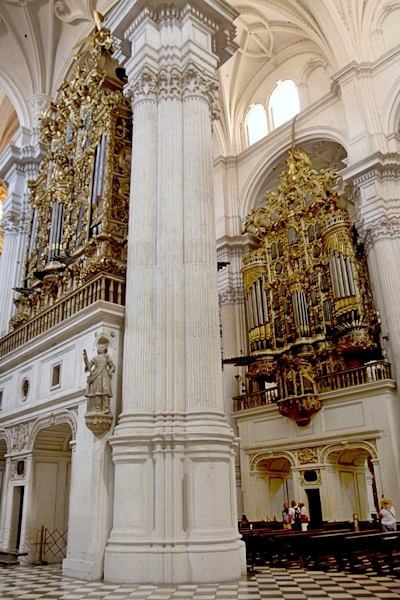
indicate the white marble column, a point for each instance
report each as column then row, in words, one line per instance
column 175, row 515
column 383, row 248
column 18, row 164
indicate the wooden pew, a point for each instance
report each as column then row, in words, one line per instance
column 311, row 545
column 378, row 548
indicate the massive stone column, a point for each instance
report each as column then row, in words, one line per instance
column 18, row 164
column 377, row 200
column 175, row 515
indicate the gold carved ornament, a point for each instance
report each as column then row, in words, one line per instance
column 80, row 199
column 315, row 295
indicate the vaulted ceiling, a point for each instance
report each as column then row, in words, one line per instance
column 307, row 40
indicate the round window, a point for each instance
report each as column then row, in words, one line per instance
column 311, row 476
column 25, row 388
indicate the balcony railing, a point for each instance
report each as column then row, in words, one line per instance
column 103, row 287
column 256, row 399
column 376, row 371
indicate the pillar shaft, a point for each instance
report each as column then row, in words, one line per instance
column 175, row 515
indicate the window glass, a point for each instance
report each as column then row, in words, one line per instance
column 284, row 102
column 256, row 122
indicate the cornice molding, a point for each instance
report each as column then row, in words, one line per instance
column 376, row 165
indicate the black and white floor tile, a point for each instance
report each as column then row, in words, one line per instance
column 37, row 583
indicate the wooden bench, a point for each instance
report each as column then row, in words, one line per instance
column 379, row 548
column 310, row 545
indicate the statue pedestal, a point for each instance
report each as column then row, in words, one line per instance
column 99, row 423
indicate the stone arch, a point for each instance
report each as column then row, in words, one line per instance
column 309, row 68
column 255, row 460
column 56, row 418
column 5, row 435
column 391, row 110
column 367, row 446
column 18, row 100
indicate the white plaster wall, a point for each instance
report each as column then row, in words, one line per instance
column 350, row 417
column 63, row 345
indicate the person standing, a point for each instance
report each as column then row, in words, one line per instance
column 286, row 517
column 387, row 515
column 304, row 519
column 294, row 513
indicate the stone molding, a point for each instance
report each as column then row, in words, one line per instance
column 23, row 436
column 169, row 15
column 18, row 468
column 20, row 435
column 172, row 82
column 316, row 456
column 369, row 447
column 231, row 295
column 384, row 228
column 256, row 458
column 5, row 434
column 307, row 455
column 304, row 482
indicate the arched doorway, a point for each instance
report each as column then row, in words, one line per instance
column 51, row 474
column 274, row 486
column 3, row 486
column 351, row 483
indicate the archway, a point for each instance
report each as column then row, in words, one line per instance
column 273, row 487
column 351, row 484
column 49, row 502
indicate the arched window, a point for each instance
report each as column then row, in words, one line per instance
column 284, row 102
column 256, row 122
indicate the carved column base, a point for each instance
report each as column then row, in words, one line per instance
column 300, row 409
column 99, row 423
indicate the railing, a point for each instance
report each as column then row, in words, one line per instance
column 103, row 287
column 256, row 399
column 370, row 373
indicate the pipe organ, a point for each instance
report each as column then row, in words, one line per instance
column 80, row 199
column 308, row 300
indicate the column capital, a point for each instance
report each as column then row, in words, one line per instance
column 215, row 16
column 383, row 228
column 172, row 82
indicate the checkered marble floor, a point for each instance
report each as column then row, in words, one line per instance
column 31, row 583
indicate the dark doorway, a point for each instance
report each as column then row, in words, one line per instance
column 314, row 505
column 16, row 517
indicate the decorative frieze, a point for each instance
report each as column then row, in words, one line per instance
column 231, row 295
column 307, row 455
column 20, row 436
column 171, row 82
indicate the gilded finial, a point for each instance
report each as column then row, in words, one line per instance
column 98, row 19
column 100, row 37
column 293, row 129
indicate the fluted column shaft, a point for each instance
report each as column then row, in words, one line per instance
column 14, row 238
column 382, row 239
column 175, row 515
column 18, row 164
column 140, row 343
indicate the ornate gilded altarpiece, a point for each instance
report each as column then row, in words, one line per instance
column 308, row 299
column 79, row 201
